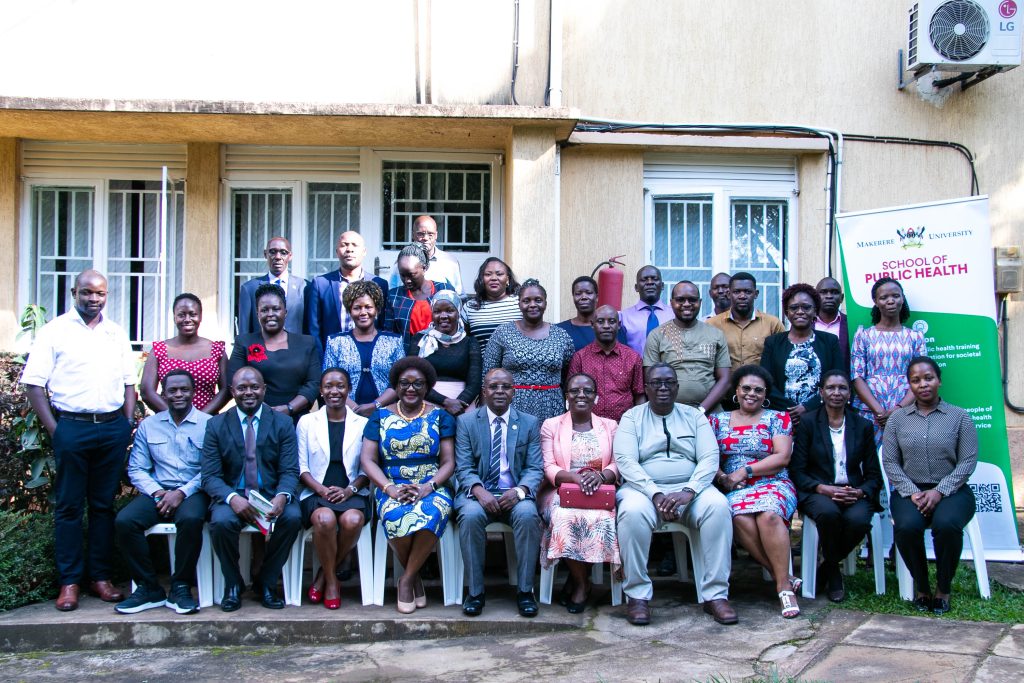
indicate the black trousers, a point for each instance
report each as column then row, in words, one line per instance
column 840, row 528
column 948, row 520
column 140, row 514
column 225, row 527
column 90, row 460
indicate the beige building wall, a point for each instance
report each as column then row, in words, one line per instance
column 602, row 214
column 202, row 260
column 9, row 226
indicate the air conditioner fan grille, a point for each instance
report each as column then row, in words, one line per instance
column 959, row 29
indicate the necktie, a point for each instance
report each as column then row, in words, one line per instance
column 494, row 466
column 251, row 476
column 652, row 320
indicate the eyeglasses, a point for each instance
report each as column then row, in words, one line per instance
column 757, row 391
column 500, row 387
column 662, row 383
column 798, row 308
column 417, row 385
column 581, row 391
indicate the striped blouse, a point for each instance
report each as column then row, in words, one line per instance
column 938, row 448
column 483, row 321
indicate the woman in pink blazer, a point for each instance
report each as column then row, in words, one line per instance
column 577, row 448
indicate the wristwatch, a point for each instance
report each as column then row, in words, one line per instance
column 433, row 485
column 377, row 403
column 354, row 489
column 520, row 492
column 750, row 471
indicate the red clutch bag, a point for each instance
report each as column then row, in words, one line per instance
column 570, row 496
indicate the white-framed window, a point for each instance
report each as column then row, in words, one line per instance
column 462, row 191
column 308, row 195
column 727, row 213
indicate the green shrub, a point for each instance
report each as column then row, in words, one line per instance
column 27, row 570
column 26, row 459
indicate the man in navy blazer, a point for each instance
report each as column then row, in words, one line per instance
column 278, row 254
column 325, row 314
column 251, row 447
column 499, row 468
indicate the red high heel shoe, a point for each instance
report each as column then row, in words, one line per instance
column 332, row 603
column 315, row 594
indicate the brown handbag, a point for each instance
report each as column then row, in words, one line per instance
column 572, row 496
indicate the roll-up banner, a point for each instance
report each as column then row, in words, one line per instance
column 942, row 255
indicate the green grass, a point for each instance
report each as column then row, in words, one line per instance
column 1006, row 605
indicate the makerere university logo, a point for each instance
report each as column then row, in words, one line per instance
column 911, row 238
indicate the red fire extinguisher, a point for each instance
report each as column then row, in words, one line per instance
column 609, row 282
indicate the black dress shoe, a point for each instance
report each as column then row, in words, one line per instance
column 473, row 605
column 269, row 598
column 923, row 603
column 232, row 600
column 940, row 606
column 527, row 604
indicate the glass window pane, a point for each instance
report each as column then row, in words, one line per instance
column 333, row 208
column 256, row 215
column 62, row 234
column 757, row 232
column 682, row 240
column 456, row 195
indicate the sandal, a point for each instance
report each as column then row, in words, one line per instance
column 790, row 608
column 795, row 583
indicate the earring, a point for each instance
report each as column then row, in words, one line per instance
column 596, row 400
column 567, row 404
column 766, row 403
column 735, row 399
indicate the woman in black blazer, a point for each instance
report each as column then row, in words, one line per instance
column 837, row 475
column 799, row 358
column 289, row 363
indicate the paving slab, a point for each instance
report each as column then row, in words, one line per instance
column 926, row 634
column 855, row 663
column 999, row 670
column 1012, row 644
column 828, row 631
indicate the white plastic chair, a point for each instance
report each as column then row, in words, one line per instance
column 291, row 597
column 681, row 535
column 547, row 581
column 204, row 566
column 510, row 557
column 448, row 556
column 809, row 556
column 364, row 549
column 973, row 533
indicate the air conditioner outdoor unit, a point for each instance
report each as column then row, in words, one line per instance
column 964, row 35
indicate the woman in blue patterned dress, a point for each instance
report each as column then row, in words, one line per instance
column 409, row 455
column 537, row 354
column 756, row 444
column 880, row 355
column 364, row 352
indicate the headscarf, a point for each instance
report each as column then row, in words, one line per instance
column 431, row 336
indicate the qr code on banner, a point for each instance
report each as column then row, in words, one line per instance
column 988, row 497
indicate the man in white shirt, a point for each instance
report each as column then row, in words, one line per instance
column 441, row 267
column 278, row 254
column 87, row 364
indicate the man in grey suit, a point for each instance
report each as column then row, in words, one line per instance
column 499, row 468
column 278, row 254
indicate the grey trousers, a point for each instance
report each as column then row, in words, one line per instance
column 526, row 531
column 708, row 514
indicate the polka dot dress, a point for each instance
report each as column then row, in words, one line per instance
column 205, row 371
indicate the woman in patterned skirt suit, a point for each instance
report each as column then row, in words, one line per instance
column 880, row 355
column 756, row 444
column 535, row 352
column 409, row 455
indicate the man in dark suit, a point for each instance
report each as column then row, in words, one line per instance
column 325, row 314
column 830, row 318
column 251, row 447
column 499, row 468
column 837, row 476
column 278, row 254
